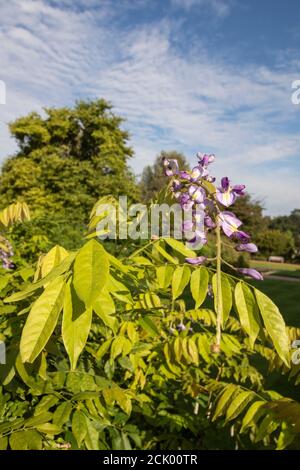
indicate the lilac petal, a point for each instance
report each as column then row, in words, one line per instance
column 196, row 193
column 225, row 183
column 230, row 218
column 252, row 273
column 226, row 198
column 196, row 173
column 185, row 175
column 239, row 189
column 171, row 167
column 240, row 235
column 197, row 260
column 249, row 247
column 176, row 185
column 209, row 222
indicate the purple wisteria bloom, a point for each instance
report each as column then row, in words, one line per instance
column 226, row 194
column 170, row 166
column 249, row 247
column 197, row 194
column 251, row 273
column 196, row 260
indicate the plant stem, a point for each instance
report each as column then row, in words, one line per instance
column 219, row 286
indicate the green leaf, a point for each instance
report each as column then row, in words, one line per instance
column 180, row 279
column 104, row 307
column 224, row 400
column 79, row 426
column 3, row 443
column 92, row 436
column 149, row 326
column 117, row 347
column 275, row 325
column 179, row 247
column 42, row 320
column 164, row 276
column 165, row 254
column 49, row 428
column 247, row 309
column 25, row 440
column 238, row 404
column 62, row 413
column 199, row 285
column 249, row 418
column 226, row 296
column 76, row 325
column 56, row 272
column 91, row 270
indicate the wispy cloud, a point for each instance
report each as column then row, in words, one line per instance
column 55, row 52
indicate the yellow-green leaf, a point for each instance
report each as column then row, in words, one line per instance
column 199, row 285
column 76, row 325
column 42, row 320
column 91, row 269
column 226, row 296
column 275, row 325
column 180, row 279
column 248, row 311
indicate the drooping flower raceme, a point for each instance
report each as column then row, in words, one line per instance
column 198, row 196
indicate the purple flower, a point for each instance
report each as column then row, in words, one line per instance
column 198, row 240
column 197, row 194
column 229, row 223
column 170, row 166
column 176, row 185
column 242, row 236
column 251, row 272
column 196, row 260
column 209, row 223
column 186, row 202
column 249, row 247
column 226, row 194
column 184, row 175
column 205, row 159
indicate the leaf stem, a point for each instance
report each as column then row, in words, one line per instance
column 219, row 287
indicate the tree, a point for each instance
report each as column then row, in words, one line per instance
column 291, row 223
column 66, row 160
column 275, row 242
column 251, row 213
column 153, row 179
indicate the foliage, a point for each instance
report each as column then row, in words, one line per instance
column 274, row 242
column 67, row 159
column 289, row 223
column 137, row 334
column 153, row 179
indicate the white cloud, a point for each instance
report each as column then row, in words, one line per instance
column 52, row 55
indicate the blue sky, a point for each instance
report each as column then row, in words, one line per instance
column 191, row 75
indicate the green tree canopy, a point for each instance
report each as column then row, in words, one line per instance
column 153, row 179
column 67, row 159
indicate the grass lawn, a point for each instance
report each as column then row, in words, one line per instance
column 268, row 265
column 288, row 273
column 286, row 295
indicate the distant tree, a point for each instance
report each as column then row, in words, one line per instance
column 275, row 242
column 251, row 213
column 67, row 159
column 153, row 179
column 289, row 222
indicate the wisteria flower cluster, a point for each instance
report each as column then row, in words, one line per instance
column 6, row 253
column 194, row 190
